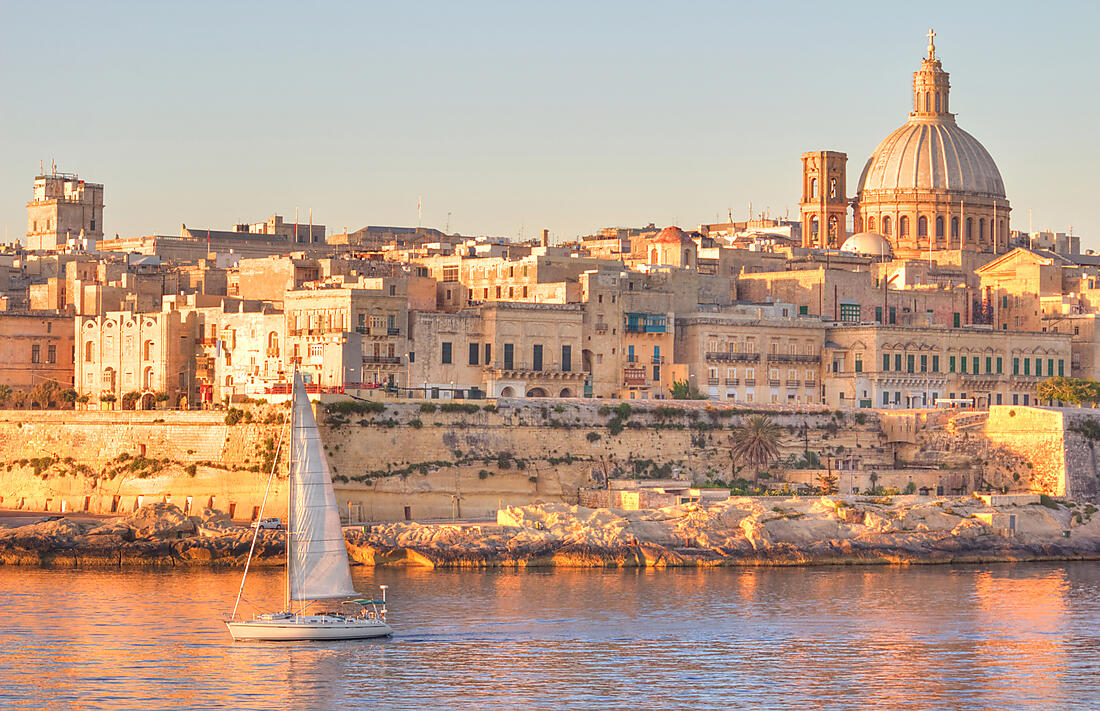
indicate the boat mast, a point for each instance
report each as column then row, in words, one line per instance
column 290, row 480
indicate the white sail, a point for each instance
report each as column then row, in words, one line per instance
column 318, row 559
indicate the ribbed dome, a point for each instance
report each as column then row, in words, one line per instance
column 870, row 244
column 932, row 153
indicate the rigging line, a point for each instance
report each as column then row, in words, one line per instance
column 256, row 533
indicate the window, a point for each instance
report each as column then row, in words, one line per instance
column 536, row 356
column 36, row 353
column 475, row 349
column 897, row 362
column 955, row 319
column 962, row 364
column 954, row 227
column 316, row 350
column 91, row 225
column 886, row 225
column 935, row 364
column 445, row 358
column 1015, row 366
column 1027, row 366
column 656, row 372
column 859, row 362
column 939, row 226
column 893, row 314
column 567, row 358
column 488, row 353
column 974, row 362
column 951, row 364
column 910, row 363
column 88, row 350
column 51, row 354
column 393, row 290
column 1039, row 366
column 885, row 397
column 988, row 364
column 886, row 361
column 509, row 356
column 922, row 226
column 903, row 226
column 849, row 312
column 924, row 364
column 999, row 364
column 1061, row 369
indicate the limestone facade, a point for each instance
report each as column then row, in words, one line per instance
column 35, row 347
column 64, row 208
column 755, row 355
column 882, row 366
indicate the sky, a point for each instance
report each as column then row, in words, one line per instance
column 504, row 118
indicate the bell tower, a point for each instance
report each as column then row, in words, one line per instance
column 824, row 206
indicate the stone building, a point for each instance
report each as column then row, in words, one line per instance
column 930, row 184
column 354, row 334
column 35, row 347
column 753, row 354
column 501, row 349
column 121, row 352
column 65, row 211
column 884, row 366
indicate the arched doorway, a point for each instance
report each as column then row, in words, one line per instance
column 148, row 401
column 565, row 392
column 536, row 392
column 507, row 391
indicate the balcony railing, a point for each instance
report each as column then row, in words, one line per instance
column 793, row 383
column 733, row 381
column 750, row 381
column 712, row 381
column 794, row 357
column 380, row 359
column 737, row 357
column 773, row 383
column 657, row 360
column 600, row 328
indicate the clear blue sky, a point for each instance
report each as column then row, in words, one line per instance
column 569, row 116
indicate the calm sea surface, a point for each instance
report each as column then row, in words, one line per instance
column 1004, row 636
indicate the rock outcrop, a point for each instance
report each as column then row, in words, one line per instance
column 745, row 531
column 156, row 535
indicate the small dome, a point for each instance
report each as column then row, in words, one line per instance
column 671, row 235
column 868, row 244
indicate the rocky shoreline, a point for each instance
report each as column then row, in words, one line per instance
column 739, row 532
column 157, row 535
column 746, row 532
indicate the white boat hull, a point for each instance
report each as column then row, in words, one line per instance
column 308, row 628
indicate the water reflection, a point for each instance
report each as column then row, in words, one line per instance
column 918, row 637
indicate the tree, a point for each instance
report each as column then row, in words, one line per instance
column 755, row 444
column 683, row 390
column 827, row 482
column 1072, row 391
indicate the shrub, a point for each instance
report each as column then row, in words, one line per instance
column 1048, row 502
column 233, row 416
column 191, row 469
column 593, row 436
column 861, row 418
column 354, row 407
column 622, row 411
column 416, row 423
column 468, row 408
column 504, row 461
column 490, row 408
column 911, row 488
column 614, row 425
column 427, row 407
column 483, row 474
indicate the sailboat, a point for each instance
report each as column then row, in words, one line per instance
column 317, row 561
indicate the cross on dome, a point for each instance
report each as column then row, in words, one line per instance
column 931, row 44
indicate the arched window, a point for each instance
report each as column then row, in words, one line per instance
column 939, row 226
column 937, row 102
column 832, row 187
column 813, row 225
column 813, row 188
column 652, row 257
column 228, row 358
column 871, row 224
column 687, row 258
column 273, row 340
column 903, row 226
column 981, row 229
column 886, row 225
column 927, row 102
column 969, row 228
column 147, row 379
column 89, row 350
column 147, row 351
column 922, row 226
column 833, row 230
column 955, row 227
column 229, row 381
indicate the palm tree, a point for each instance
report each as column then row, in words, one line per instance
column 756, row 444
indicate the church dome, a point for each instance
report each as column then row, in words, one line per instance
column 671, row 235
column 932, row 153
column 868, row 244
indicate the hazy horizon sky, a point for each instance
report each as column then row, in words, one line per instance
column 515, row 117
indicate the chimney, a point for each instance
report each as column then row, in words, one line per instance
column 546, row 238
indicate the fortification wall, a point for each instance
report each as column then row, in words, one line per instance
column 437, row 463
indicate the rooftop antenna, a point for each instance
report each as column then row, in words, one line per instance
column 730, row 210
column 1030, row 229
column 419, row 214
column 447, row 228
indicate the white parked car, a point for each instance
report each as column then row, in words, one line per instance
column 272, row 524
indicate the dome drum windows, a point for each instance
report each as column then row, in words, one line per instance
column 922, row 226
